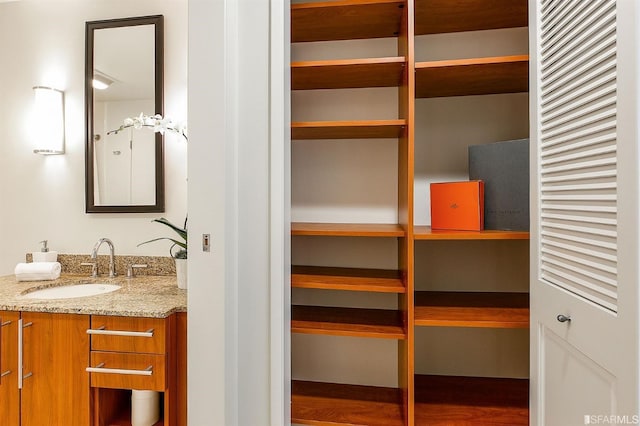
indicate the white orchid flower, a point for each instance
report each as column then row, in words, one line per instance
column 149, row 121
column 138, row 122
column 156, row 122
column 180, row 127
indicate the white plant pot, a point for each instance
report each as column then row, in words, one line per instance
column 181, row 272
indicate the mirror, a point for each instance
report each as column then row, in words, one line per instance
column 124, row 171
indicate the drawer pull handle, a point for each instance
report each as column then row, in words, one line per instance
column 6, row 373
column 100, row 369
column 5, row 323
column 103, row 332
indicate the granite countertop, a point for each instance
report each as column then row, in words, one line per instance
column 142, row 296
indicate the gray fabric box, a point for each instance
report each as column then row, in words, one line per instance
column 504, row 168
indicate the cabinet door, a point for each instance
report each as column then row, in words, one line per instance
column 55, row 389
column 181, row 370
column 9, row 392
column 584, row 273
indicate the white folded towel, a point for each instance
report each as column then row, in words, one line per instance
column 38, row 271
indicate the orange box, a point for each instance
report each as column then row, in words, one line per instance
column 458, row 205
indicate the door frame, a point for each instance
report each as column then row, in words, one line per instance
column 280, row 214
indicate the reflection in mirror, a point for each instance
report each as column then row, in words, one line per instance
column 124, row 170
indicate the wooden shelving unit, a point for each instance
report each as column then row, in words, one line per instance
column 355, row 322
column 426, row 233
column 314, row 403
column 345, row 20
column 347, row 73
column 347, row 229
column 327, row 403
column 417, row 399
column 350, row 279
column 446, row 16
column 477, row 76
column 451, row 400
column 472, row 309
column 363, row 129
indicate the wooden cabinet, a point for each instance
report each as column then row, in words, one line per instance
column 53, row 387
column 181, row 368
column 424, row 300
column 136, row 353
column 56, row 350
column 9, row 392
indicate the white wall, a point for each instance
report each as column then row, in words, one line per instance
column 42, row 43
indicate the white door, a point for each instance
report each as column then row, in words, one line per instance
column 584, row 234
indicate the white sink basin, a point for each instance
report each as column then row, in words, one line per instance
column 72, row 291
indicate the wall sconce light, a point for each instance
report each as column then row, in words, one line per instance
column 101, row 81
column 49, row 116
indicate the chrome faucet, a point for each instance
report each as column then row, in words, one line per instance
column 94, row 257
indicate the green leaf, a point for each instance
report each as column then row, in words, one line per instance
column 180, row 231
column 178, row 243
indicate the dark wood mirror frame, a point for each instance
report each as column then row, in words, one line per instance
column 158, row 22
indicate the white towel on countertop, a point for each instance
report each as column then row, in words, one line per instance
column 38, row 271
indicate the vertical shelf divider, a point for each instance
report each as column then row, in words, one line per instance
column 406, row 106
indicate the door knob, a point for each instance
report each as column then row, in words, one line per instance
column 563, row 318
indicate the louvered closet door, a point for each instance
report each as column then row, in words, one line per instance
column 584, row 233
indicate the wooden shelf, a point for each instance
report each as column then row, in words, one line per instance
column 446, row 16
column 112, row 407
column 347, row 73
column 477, row 76
column 125, row 420
column 426, row 233
column 362, row 129
column 345, row 20
column 471, row 309
column 354, row 322
column 458, row 401
column 347, row 229
column 350, row 279
column 315, row 403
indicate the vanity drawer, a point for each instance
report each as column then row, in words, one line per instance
column 128, row 334
column 128, row 371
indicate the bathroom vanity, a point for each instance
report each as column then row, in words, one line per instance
column 75, row 361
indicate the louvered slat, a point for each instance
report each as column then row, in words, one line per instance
column 581, row 230
column 578, row 149
column 582, row 79
column 591, row 26
column 577, row 145
column 608, row 185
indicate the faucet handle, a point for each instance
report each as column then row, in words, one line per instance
column 94, row 268
column 131, row 268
